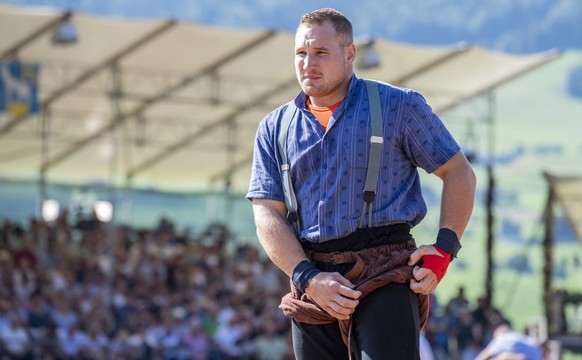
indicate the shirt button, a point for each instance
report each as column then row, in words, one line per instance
column 324, row 165
column 323, row 195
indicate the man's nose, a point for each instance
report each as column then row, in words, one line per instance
column 309, row 62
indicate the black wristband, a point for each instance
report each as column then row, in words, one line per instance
column 448, row 241
column 302, row 274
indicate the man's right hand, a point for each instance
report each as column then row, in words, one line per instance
column 334, row 293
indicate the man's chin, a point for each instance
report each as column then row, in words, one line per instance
column 310, row 90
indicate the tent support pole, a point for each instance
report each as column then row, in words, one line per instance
column 548, row 241
column 490, row 199
column 44, row 155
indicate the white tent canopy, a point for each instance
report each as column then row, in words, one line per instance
column 567, row 191
column 175, row 105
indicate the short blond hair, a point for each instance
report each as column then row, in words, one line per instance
column 341, row 24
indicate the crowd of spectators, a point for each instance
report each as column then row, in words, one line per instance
column 458, row 330
column 95, row 291
column 92, row 291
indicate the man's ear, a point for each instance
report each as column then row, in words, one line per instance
column 351, row 52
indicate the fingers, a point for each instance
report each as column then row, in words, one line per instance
column 341, row 307
column 347, row 288
column 420, row 273
column 343, row 299
column 420, row 252
column 424, row 281
column 417, row 255
column 333, row 293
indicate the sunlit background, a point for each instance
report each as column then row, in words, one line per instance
column 145, row 114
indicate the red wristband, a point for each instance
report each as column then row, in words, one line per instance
column 437, row 264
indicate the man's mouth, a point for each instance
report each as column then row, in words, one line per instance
column 311, row 77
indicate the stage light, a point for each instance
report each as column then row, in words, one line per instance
column 50, row 210
column 66, row 32
column 368, row 57
column 103, row 211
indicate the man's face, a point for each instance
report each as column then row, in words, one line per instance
column 323, row 63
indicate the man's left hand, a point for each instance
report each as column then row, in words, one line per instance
column 424, row 281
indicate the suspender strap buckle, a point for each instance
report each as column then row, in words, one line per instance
column 293, row 216
column 376, row 139
column 369, row 196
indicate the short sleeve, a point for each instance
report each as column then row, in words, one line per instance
column 265, row 182
column 426, row 140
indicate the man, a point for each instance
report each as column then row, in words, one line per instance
column 353, row 261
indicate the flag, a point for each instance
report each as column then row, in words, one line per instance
column 18, row 88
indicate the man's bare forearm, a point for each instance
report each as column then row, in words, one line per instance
column 275, row 236
column 458, row 195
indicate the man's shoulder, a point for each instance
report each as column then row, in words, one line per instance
column 270, row 124
column 273, row 117
column 394, row 89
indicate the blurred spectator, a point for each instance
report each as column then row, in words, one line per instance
column 96, row 343
column 196, row 341
column 510, row 345
column 271, row 345
column 62, row 313
column 469, row 336
column 481, row 315
column 425, row 349
column 234, row 332
column 437, row 332
column 38, row 317
column 46, row 345
column 14, row 338
column 458, row 304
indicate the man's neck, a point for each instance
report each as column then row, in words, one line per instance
column 337, row 96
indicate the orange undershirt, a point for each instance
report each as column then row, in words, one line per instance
column 322, row 114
